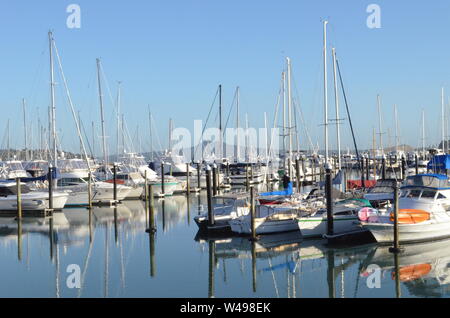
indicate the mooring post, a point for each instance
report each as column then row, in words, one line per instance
column 247, row 181
column 304, row 172
column 214, row 177
column 19, row 199
column 209, row 196
column 115, row 183
column 188, row 185
column 50, row 187
column 199, row 171
column 90, row 190
column 297, row 173
column 254, row 266
column 145, row 188
column 363, row 184
column 162, row 179
column 367, row 168
column 383, row 168
column 396, row 247
column 329, row 197
column 403, row 168
column 252, row 213
column 417, row 164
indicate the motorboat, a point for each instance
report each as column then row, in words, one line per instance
column 31, row 200
column 423, row 212
column 225, row 208
column 345, row 219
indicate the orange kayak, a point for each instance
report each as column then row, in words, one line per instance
column 411, row 216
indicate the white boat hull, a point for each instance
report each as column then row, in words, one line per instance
column 317, row 226
column 409, row 233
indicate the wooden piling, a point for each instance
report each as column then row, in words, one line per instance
column 19, row 199
column 50, row 188
column 253, row 213
column 90, row 190
column 115, row 183
column 297, row 174
column 209, row 197
column 162, row 179
column 417, row 164
column 329, row 199
column 188, row 184
column 214, row 178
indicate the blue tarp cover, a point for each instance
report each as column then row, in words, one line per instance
column 287, row 191
column 439, row 163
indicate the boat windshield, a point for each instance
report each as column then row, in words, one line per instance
column 427, row 181
column 12, row 190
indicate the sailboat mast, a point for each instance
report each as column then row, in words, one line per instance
column 396, row 128
column 8, row 144
column 102, row 118
column 238, row 150
column 170, row 135
column 423, row 133
column 379, row 125
column 443, row 124
column 118, row 119
column 336, row 98
column 151, row 133
column 25, row 129
column 52, row 102
column 220, row 123
column 288, row 60
column 266, row 137
column 283, row 84
column 325, row 88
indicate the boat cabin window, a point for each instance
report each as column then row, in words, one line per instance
column 71, row 181
column 428, row 194
column 12, row 190
column 414, row 193
column 441, row 196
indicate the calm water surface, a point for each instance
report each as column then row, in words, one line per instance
column 117, row 258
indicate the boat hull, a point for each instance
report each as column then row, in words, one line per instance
column 317, row 226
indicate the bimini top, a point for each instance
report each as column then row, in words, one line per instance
column 436, row 181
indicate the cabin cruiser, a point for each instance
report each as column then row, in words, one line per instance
column 74, row 178
column 225, row 209
column 423, row 214
column 345, row 219
column 31, row 200
column 268, row 219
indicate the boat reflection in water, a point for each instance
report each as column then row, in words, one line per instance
column 424, row 269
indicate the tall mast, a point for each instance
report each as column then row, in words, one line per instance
column 283, row 87
column 238, row 150
column 93, row 140
column 423, row 133
column 25, row 129
column 379, row 125
column 336, row 98
column 123, row 133
column 118, row 119
column 170, row 134
column 52, row 102
column 151, row 133
column 289, row 97
column 220, row 123
column 266, row 137
column 102, row 118
column 247, row 151
column 325, row 88
column 8, row 145
column 443, row 124
column 396, row 129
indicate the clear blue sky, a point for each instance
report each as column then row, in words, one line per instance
column 171, row 55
